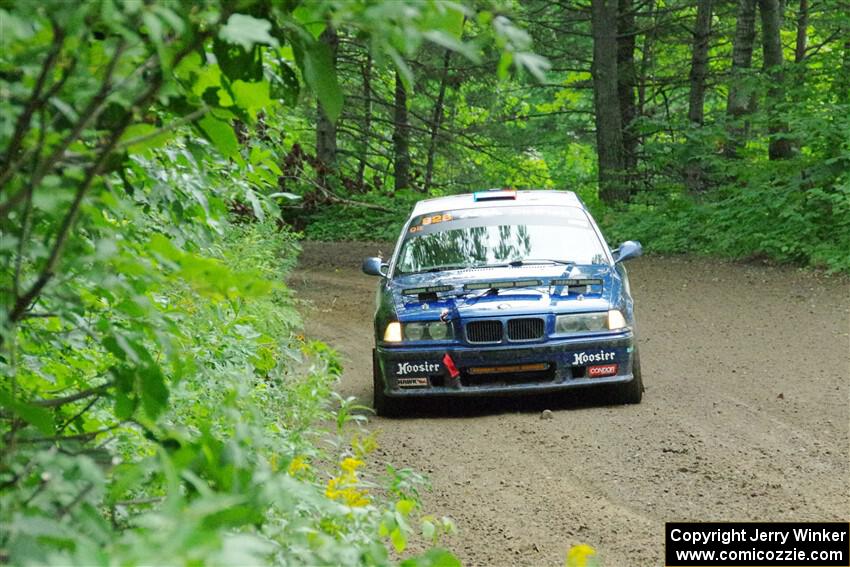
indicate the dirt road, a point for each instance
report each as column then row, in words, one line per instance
column 745, row 417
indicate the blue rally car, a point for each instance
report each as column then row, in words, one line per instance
column 503, row 292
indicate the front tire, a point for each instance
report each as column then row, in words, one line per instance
column 632, row 391
column 383, row 405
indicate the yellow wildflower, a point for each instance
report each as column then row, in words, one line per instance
column 331, row 491
column 297, row 465
column 353, row 497
column 344, row 487
column 581, row 555
column 350, row 465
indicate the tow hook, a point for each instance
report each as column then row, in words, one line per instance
column 454, row 373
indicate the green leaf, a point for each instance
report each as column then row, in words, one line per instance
column 533, row 63
column 256, row 205
column 252, row 97
column 432, row 558
column 446, row 18
column 154, row 393
column 40, row 418
column 429, row 530
column 320, row 75
column 398, row 539
column 246, row 31
column 124, row 406
column 141, row 130
column 307, row 16
column 237, row 63
column 189, row 65
column 209, row 76
column 504, row 66
column 405, row 507
column 221, row 134
column 404, row 72
column 285, row 195
column 452, row 43
column 163, row 247
column 154, row 28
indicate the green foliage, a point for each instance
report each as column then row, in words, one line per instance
column 352, row 222
column 793, row 210
column 158, row 404
column 199, row 460
column 477, row 129
column 808, row 228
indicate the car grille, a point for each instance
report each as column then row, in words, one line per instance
column 525, row 329
column 484, row 331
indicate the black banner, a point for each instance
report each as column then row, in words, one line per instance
column 757, row 544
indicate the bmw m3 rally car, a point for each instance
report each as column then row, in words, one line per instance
column 503, row 292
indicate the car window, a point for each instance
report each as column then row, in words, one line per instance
column 499, row 235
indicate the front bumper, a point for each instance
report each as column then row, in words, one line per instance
column 517, row 368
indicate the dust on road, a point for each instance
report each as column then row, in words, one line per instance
column 745, row 417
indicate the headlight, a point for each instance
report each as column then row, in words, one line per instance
column 429, row 331
column 393, row 332
column 426, row 331
column 589, row 322
column 616, row 320
column 414, row 331
column 439, row 331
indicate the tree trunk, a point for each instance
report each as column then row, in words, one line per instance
column 740, row 101
column 646, row 56
column 436, row 122
column 694, row 178
column 609, row 132
column 780, row 146
column 699, row 63
column 802, row 32
column 626, row 84
column 325, row 128
column 401, row 137
column 367, row 121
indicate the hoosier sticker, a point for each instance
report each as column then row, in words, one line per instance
column 405, row 368
column 585, row 358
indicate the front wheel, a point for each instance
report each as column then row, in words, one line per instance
column 632, row 391
column 383, row 405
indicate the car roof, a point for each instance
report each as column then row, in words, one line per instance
column 534, row 197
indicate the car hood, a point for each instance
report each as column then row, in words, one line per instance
column 545, row 298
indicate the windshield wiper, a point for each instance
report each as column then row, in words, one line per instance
column 530, row 261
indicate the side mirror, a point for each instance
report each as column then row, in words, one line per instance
column 374, row 267
column 628, row 249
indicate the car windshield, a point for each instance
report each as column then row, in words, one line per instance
column 498, row 236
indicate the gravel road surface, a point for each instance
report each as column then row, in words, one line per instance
column 745, row 416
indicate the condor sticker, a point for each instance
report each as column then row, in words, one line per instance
column 602, row 370
column 412, row 382
column 585, row 358
column 404, row 368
